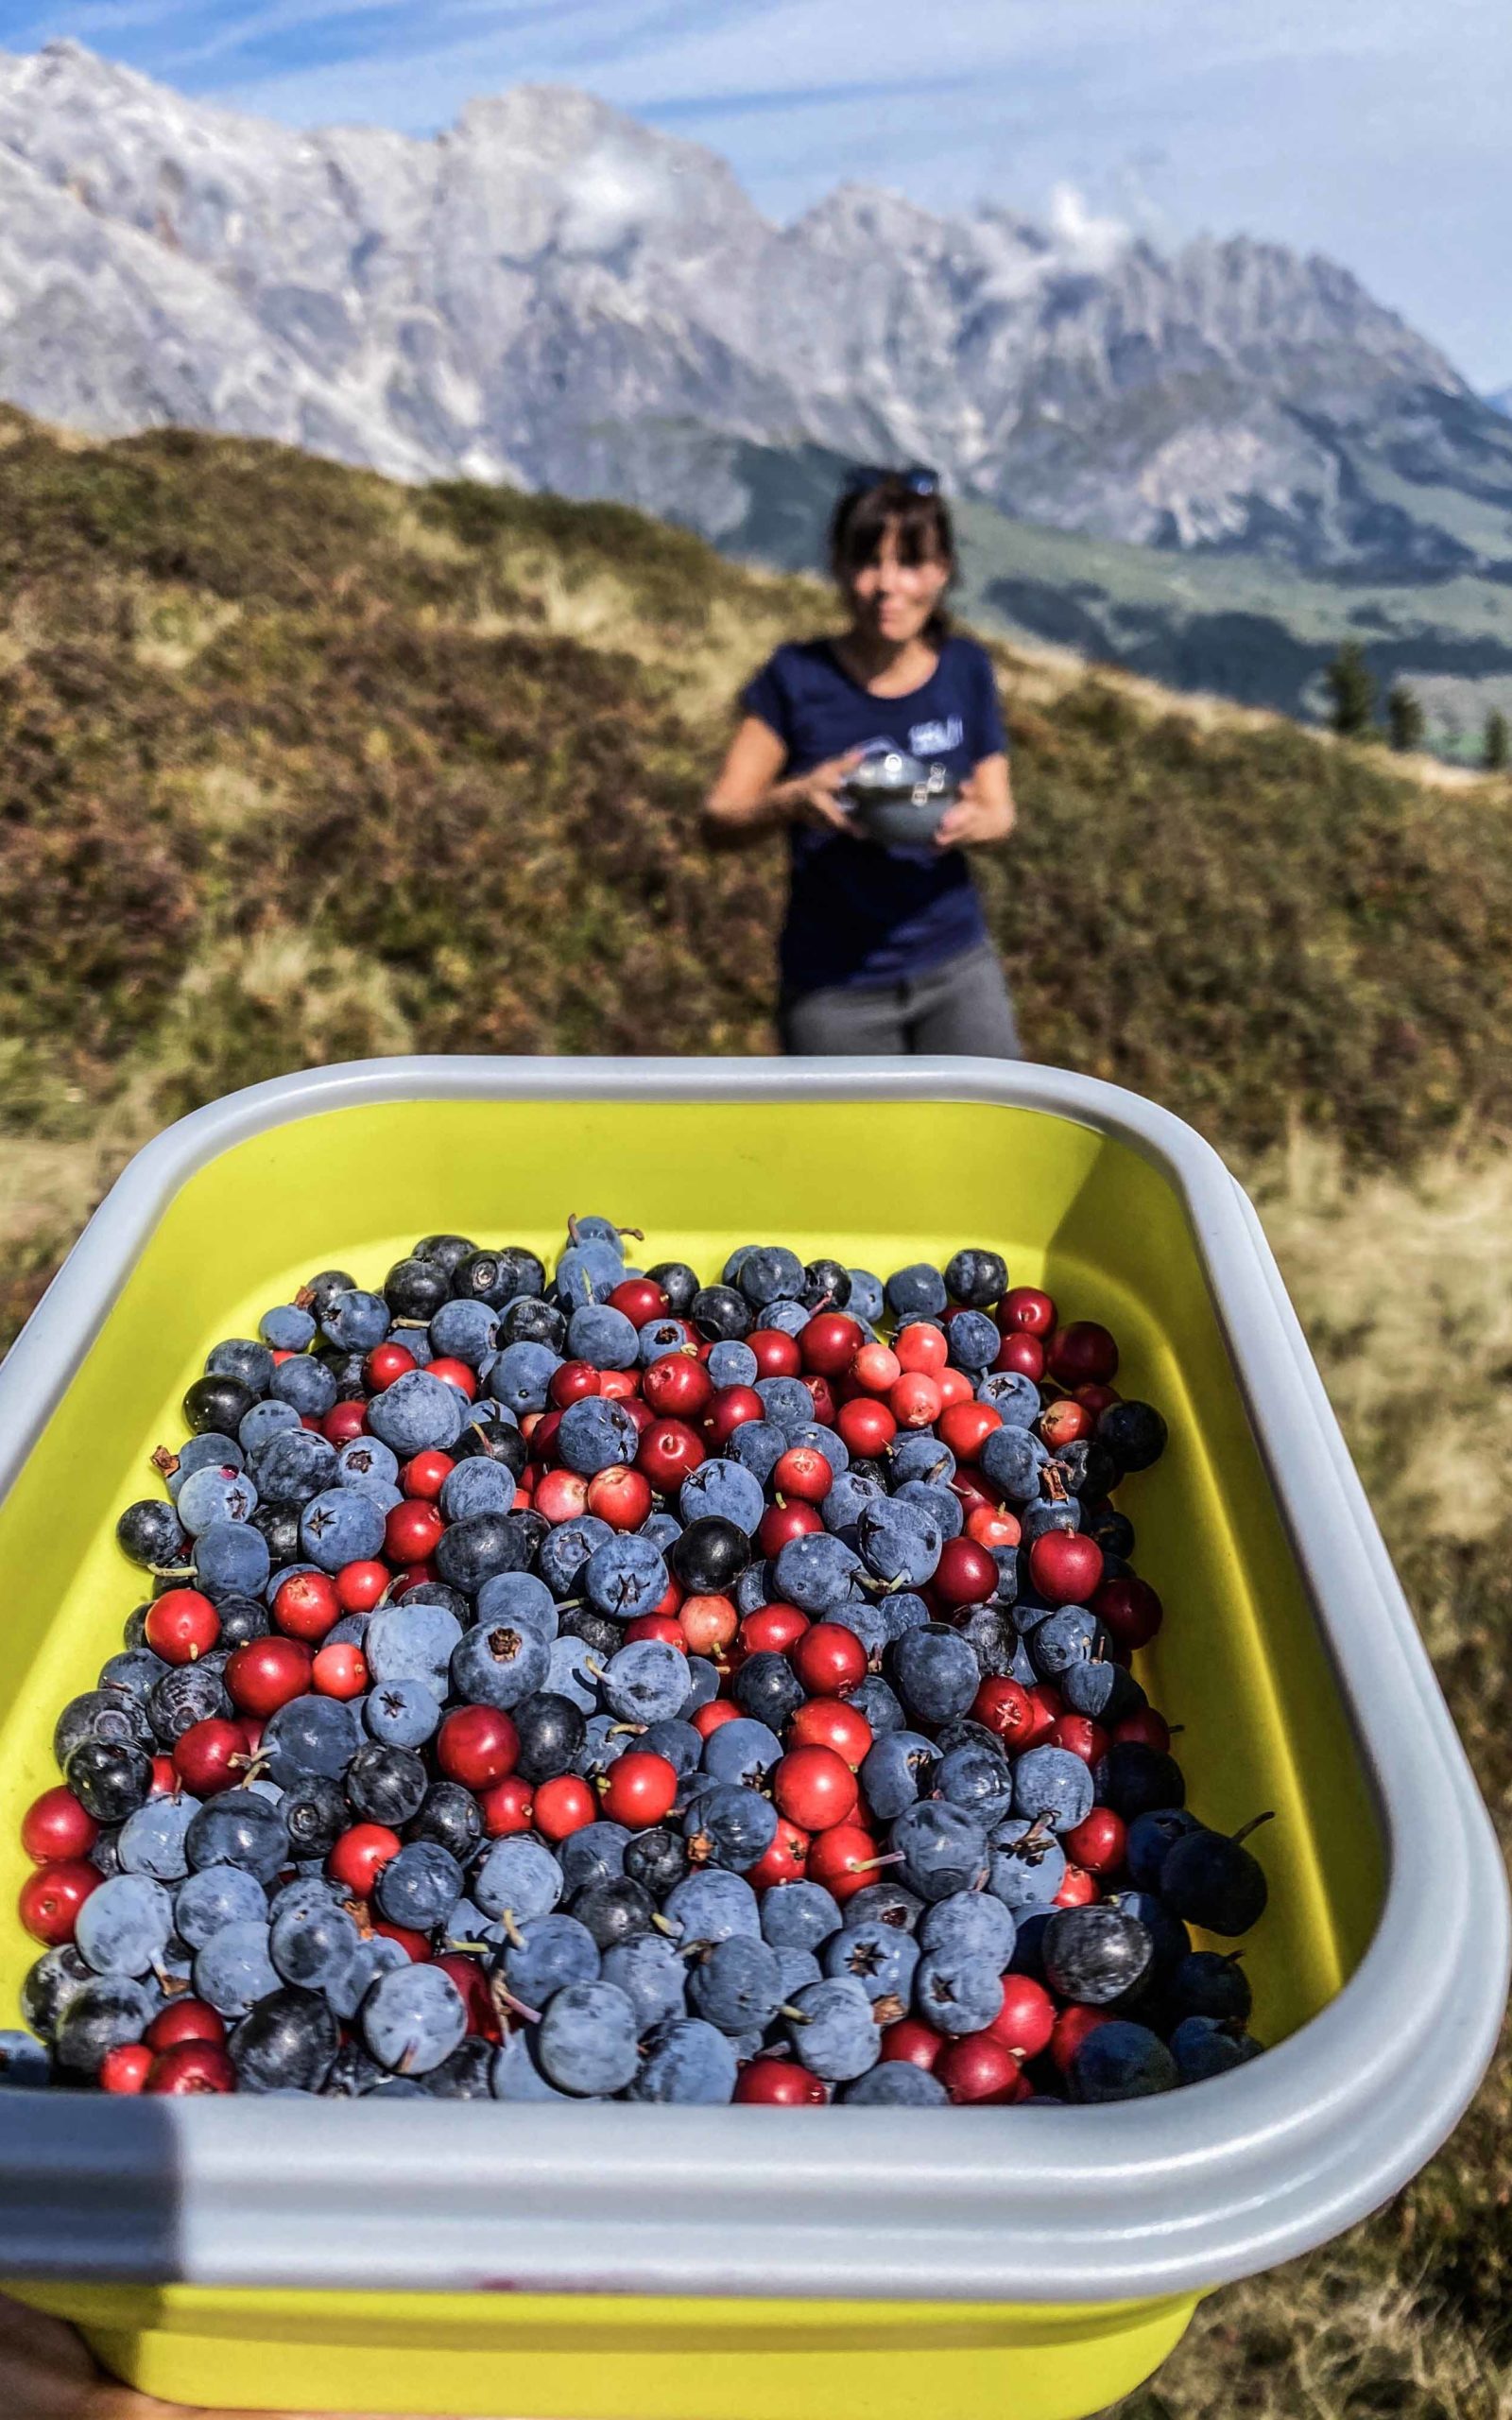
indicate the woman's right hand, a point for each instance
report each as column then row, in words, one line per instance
column 814, row 798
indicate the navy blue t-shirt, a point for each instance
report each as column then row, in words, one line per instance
column 859, row 913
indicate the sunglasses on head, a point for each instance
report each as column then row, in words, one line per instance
column 916, row 477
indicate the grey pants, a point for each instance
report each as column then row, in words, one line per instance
column 961, row 1006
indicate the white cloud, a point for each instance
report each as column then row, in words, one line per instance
column 1084, row 241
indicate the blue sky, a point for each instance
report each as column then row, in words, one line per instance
column 1372, row 129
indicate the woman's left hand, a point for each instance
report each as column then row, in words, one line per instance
column 984, row 810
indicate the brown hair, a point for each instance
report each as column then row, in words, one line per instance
column 923, row 522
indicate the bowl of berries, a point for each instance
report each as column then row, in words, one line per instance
column 782, row 1646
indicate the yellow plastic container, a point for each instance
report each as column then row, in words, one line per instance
column 620, row 2263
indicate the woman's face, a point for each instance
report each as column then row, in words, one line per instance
column 892, row 599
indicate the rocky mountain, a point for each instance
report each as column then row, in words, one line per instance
column 552, row 294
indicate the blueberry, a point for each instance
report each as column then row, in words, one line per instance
column 529, row 1320
column 1202, row 2046
column 234, row 1970
column 596, row 1434
column 572, row 1670
column 314, row 1811
column 185, row 1695
column 935, row 1672
column 711, row 1553
column 123, row 1927
column 499, row 1664
column 1133, row 1434
column 1012, row 1459
column 652, row 1976
column 550, row 1731
column 898, row 1542
column 896, row 1771
column 412, row 2019
column 687, row 2061
column 516, row 1874
column 451, row 1817
column 646, row 1682
column 110, row 1715
column 286, row 1329
column 386, row 1785
column 550, row 1953
column 943, row 1848
column 420, row 1886
column 1205, row 1982
column 659, row 1337
column 881, row 1957
column 1053, row 1783
column 956, row 1992
column 348, row 1989
column 742, row 1751
column 1121, row 2062
column 111, row 1781
column 25, row 2066
column 220, row 1403
column 935, row 1504
column 624, row 1576
column 1150, row 1836
column 835, row 2033
column 312, row 1735
column 150, row 1533
column 466, row 2075
column 816, row 1572
column 476, row 1486
column 730, row 1826
column 154, row 1840
column 216, row 1897
column 723, row 1489
column 732, row 1364
column 971, row 1923
column 1137, row 1780
column 1069, row 1637
column 1213, row 1881
column 758, row 1446
column 402, row 1713
column 417, row 1287
column 416, row 1412
column 231, row 1555
column 720, row 1311
column 305, row 1383
column 712, row 1905
column 214, row 1494
column 588, row 2038
column 1026, row 1862
column 100, row 2017
column 412, row 1642
column 896, row 2085
column 657, row 1860
column 472, row 1551
column 340, row 1527
column 1095, row 1954
column 918, row 1290
column 788, row 1403
column 566, row 1549
column 875, row 1699
column 48, row 1986
column 1100, row 1690
column 736, row 1984
column 310, row 1941
column 603, row 1336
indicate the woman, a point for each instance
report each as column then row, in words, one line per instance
column 884, row 949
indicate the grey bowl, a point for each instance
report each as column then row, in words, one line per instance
column 897, row 799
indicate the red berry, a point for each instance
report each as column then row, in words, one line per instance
column 1024, row 1354
column 416, row 1946
column 1025, row 1311
column 185, row 2020
column 965, row 1427
column 1026, row 2018
column 1097, row 1842
column 193, row 2067
column 667, row 1452
column 307, row 1606
column 339, row 1672
column 343, row 1422
column 966, row 1573
column 56, row 1828
column 814, row 1787
column 540, row 1428
column 777, row 1356
column 827, row 1659
column 182, row 1625
column 620, row 1496
column 830, row 1343
column 914, row 2041
column 821, row 1395
column 624, row 1386
column 779, row 2084
column 678, row 1386
column 772, row 1629
column 466, row 1973
column 454, row 1373
column 266, row 1673
column 572, row 1382
column 164, row 1781
column 563, row 1806
column 978, row 2067
column 915, row 1399
column 1082, row 1354
column 126, row 2068
column 426, row 1473
column 843, row 1859
column 560, row 1496
column 1096, row 1399
column 829, row 1722
column 413, row 1532
column 782, row 1523
column 1065, row 1568
column 51, row 1898
column 1064, row 1424
column 864, row 1425
column 1079, row 1735
column 955, row 1387
column 384, row 1364
column 1078, row 1890
column 1002, row 1707
column 641, row 1299
column 639, row 1790
column 803, row 1473
column 211, row 1755
column 477, row 1745
column 921, row 1347
column 417, row 1575
column 507, row 1808
column 877, row 1369
column 1151, row 1730
column 1129, row 1609
column 730, row 1410
column 988, row 1525
column 785, row 1859
column 708, row 1624
column 360, row 1856
column 1070, row 2030
column 709, row 1717
column 666, row 1627
column 359, row 1585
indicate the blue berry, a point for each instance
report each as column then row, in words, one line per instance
column 123, row 1927
column 412, row 2019
column 688, row 2062
column 835, row 2033
column 588, row 2041
column 1121, row 2062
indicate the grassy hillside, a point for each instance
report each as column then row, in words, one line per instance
column 297, row 766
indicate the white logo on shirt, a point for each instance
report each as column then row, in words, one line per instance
column 936, row 738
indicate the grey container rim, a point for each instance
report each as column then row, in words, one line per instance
column 1028, row 2205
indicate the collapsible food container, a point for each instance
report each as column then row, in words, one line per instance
column 619, row 2262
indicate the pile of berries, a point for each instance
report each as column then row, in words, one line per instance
column 625, row 1686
